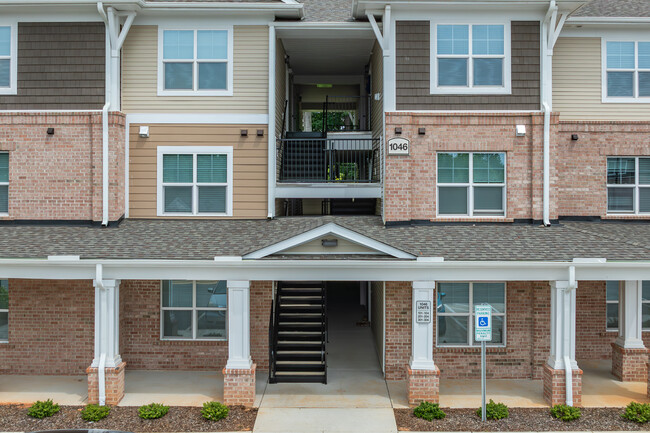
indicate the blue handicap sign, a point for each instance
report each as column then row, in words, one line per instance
column 482, row 321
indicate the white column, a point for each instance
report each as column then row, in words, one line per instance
column 629, row 315
column 563, row 325
column 107, row 322
column 239, row 342
column 422, row 333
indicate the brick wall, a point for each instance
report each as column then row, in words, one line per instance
column 59, row 176
column 410, row 181
column 142, row 349
column 51, row 327
column 593, row 341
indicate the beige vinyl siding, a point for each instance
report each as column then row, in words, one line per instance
column 577, row 84
column 250, row 76
column 377, row 107
column 280, row 86
column 377, row 318
column 344, row 246
column 249, row 165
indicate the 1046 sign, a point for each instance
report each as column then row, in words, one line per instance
column 398, row 146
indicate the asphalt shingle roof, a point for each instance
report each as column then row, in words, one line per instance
column 205, row 239
column 327, row 10
column 614, row 8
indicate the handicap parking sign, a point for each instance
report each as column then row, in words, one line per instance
column 483, row 325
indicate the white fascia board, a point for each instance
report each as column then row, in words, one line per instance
column 608, row 20
column 327, row 191
column 199, row 118
column 283, row 10
column 329, row 229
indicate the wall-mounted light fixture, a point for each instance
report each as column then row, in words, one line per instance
column 144, row 132
column 574, row 137
column 244, row 132
column 329, row 243
column 50, row 131
column 520, row 130
column 398, row 130
column 260, row 133
column 422, row 131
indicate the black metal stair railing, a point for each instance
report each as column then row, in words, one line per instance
column 325, row 330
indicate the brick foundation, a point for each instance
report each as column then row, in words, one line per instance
column 629, row 365
column 239, row 387
column 423, row 385
column 554, row 386
column 114, row 384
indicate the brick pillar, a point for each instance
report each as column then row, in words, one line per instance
column 629, row 365
column 648, row 379
column 554, row 386
column 114, row 377
column 423, row 385
column 239, row 386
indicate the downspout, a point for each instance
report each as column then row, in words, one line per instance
column 107, row 106
column 547, row 163
column 568, row 370
column 101, row 368
column 272, row 175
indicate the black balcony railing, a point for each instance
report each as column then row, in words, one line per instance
column 328, row 160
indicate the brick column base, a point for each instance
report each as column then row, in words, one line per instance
column 239, row 386
column 114, row 377
column 629, row 365
column 554, row 389
column 423, row 385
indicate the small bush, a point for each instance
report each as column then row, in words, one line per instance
column 494, row 410
column 565, row 413
column 637, row 412
column 429, row 411
column 43, row 409
column 153, row 411
column 214, row 411
column 95, row 412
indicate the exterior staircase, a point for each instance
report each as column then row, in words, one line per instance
column 298, row 333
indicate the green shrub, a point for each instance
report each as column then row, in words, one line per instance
column 429, row 411
column 565, row 413
column 214, row 411
column 637, row 412
column 153, row 411
column 494, row 410
column 95, row 412
column 43, row 409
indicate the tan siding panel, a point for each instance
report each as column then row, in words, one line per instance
column 577, row 81
column 249, row 165
column 250, row 76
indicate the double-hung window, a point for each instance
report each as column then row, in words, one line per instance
column 194, row 310
column 626, row 66
column 195, row 62
column 470, row 58
column 8, row 59
column 471, row 184
column 455, row 312
column 628, row 185
column 195, row 181
column 4, row 310
column 4, row 183
column 612, row 300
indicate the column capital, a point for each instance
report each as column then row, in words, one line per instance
column 108, row 284
column 559, row 285
column 238, row 284
column 424, row 284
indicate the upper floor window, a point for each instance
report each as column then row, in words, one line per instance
column 627, row 70
column 470, row 59
column 195, row 62
column 628, row 185
column 194, row 181
column 8, row 60
column 4, row 182
column 612, row 299
column 4, row 310
column 471, row 184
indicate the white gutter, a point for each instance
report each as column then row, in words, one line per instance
column 272, row 177
column 547, row 164
column 568, row 368
column 101, row 368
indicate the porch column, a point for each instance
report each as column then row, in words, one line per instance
column 423, row 375
column 629, row 354
column 239, row 373
column 106, row 373
column 563, row 347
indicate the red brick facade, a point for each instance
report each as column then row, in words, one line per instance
column 59, row 176
column 629, row 365
column 114, row 380
column 423, row 385
column 555, row 389
column 239, row 386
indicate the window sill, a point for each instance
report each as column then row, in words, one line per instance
column 10, row 91
column 199, row 215
column 189, row 340
column 643, row 100
column 195, row 93
column 470, row 91
column 502, row 348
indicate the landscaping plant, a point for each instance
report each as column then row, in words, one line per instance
column 153, row 411
column 429, row 411
column 565, row 413
column 43, row 409
column 95, row 412
column 637, row 412
column 214, row 411
column 494, row 410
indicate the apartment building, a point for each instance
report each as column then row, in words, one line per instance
column 197, row 186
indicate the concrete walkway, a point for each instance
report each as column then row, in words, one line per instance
column 25, row 389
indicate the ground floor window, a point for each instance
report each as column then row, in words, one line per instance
column 4, row 310
column 455, row 312
column 612, row 305
column 193, row 310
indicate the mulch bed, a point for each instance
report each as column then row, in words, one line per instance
column 179, row 419
column 520, row 419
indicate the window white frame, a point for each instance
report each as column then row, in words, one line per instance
column 635, row 186
column 7, row 185
column 506, row 89
column 194, row 150
column 470, row 188
column 195, row 92
column 194, row 309
column 470, row 314
column 13, row 60
column 635, row 99
column 615, row 302
column 5, row 310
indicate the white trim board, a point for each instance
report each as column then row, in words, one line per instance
column 326, row 230
column 199, row 118
column 327, row 191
